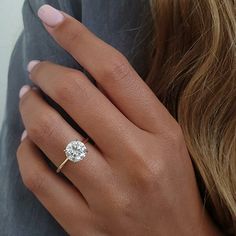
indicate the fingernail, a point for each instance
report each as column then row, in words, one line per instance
column 50, row 16
column 24, row 135
column 32, row 64
column 24, row 90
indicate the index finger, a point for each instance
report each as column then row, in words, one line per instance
column 110, row 69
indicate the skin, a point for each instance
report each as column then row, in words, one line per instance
column 138, row 178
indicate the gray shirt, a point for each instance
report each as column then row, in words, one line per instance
column 125, row 24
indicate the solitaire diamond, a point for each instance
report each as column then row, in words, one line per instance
column 76, row 151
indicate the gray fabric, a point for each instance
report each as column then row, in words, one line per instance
column 122, row 24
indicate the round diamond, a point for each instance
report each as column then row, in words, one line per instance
column 76, row 151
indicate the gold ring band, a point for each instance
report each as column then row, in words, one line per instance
column 85, row 140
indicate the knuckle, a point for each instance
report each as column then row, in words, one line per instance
column 149, row 172
column 149, row 177
column 126, row 206
column 69, row 90
column 73, row 36
column 119, row 204
column 175, row 135
column 34, row 180
column 151, row 165
column 101, row 227
column 62, row 92
column 43, row 128
column 117, row 69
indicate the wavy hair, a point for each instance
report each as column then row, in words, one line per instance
column 193, row 73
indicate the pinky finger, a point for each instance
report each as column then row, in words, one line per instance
column 63, row 201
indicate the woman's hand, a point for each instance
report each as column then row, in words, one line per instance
column 138, row 179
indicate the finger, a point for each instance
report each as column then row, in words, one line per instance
column 88, row 106
column 51, row 133
column 61, row 199
column 110, row 69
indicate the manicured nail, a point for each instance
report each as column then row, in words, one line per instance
column 50, row 16
column 24, row 90
column 24, row 135
column 32, row 64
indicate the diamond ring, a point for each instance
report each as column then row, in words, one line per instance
column 75, row 151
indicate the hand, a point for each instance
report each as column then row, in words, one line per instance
column 138, row 178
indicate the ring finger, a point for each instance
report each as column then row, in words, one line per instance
column 51, row 133
column 59, row 197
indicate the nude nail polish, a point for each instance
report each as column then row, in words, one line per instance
column 24, row 90
column 50, row 16
column 32, row 64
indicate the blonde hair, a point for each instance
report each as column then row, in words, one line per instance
column 193, row 73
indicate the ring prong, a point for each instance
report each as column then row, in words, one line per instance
column 75, row 151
